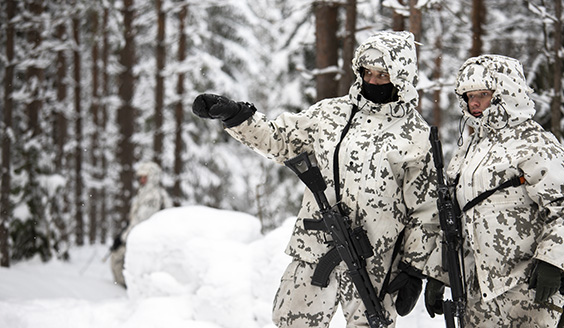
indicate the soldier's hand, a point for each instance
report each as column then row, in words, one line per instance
column 408, row 283
column 434, row 291
column 545, row 280
column 214, row 106
column 118, row 241
column 409, row 289
column 231, row 113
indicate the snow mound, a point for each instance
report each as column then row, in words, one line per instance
column 218, row 260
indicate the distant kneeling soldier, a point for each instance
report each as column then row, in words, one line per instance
column 150, row 198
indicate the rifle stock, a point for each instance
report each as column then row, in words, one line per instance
column 449, row 217
column 352, row 247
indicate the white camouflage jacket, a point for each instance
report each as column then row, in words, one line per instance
column 514, row 226
column 384, row 160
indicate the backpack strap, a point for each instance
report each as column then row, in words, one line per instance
column 513, row 182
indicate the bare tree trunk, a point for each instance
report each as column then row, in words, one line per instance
column 105, row 93
column 60, row 206
column 478, row 16
column 349, row 44
column 60, row 120
column 415, row 28
column 437, row 71
column 159, row 97
column 398, row 22
column 177, row 193
column 326, row 26
column 5, row 204
column 35, row 85
column 79, row 201
column 94, row 138
column 556, row 105
column 126, row 112
column 415, row 21
column 35, row 73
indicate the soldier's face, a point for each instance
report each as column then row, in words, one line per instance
column 478, row 101
column 142, row 180
column 376, row 77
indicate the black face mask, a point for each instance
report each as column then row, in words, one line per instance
column 379, row 94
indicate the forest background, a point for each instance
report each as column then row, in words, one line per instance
column 90, row 88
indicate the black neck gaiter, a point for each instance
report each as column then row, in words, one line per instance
column 379, row 94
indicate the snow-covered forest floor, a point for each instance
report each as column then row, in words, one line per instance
column 190, row 267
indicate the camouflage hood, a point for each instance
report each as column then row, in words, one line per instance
column 395, row 52
column 511, row 103
column 153, row 173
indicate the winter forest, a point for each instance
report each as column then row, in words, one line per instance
column 92, row 88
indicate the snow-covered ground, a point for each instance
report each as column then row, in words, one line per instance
column 189, row 267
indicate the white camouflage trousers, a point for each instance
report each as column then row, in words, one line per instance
column 299, row 304
column 515, row 308
column 117, row 261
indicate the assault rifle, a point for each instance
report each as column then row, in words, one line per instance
column 351, row 247
column 449, row 217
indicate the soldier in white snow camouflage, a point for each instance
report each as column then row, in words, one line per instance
column 514, row 247
column 150, row 198
column 385, row 180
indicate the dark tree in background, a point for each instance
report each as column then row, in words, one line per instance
column 478, row 16
column 7, row 138
column 78, row 158
column 415, row 25
column 160, row 90
column 93, row 191
column 126, row 112
column 327, row 55
column 104, row 208
column 349, row 46
column 556, row 104
column 398, row 21
column 177, row 193
column 60, row 209
column 437, row 69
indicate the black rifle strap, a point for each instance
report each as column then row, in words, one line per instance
column 513, row 182
column 336, row 178
column 395, row 253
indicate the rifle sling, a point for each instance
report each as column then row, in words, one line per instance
column 327, row 258
column 395, row 253
column 336, row 178
column 513, row 182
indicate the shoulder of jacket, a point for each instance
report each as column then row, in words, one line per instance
column 337, row 101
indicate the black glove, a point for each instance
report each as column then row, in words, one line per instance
column 117, row 243
column 408, row 283
column 434, row 291
column 545, row 280
column 219, row 107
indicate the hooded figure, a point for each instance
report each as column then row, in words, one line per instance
column 150, row 198
column 514, row 238
column 377, row 153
